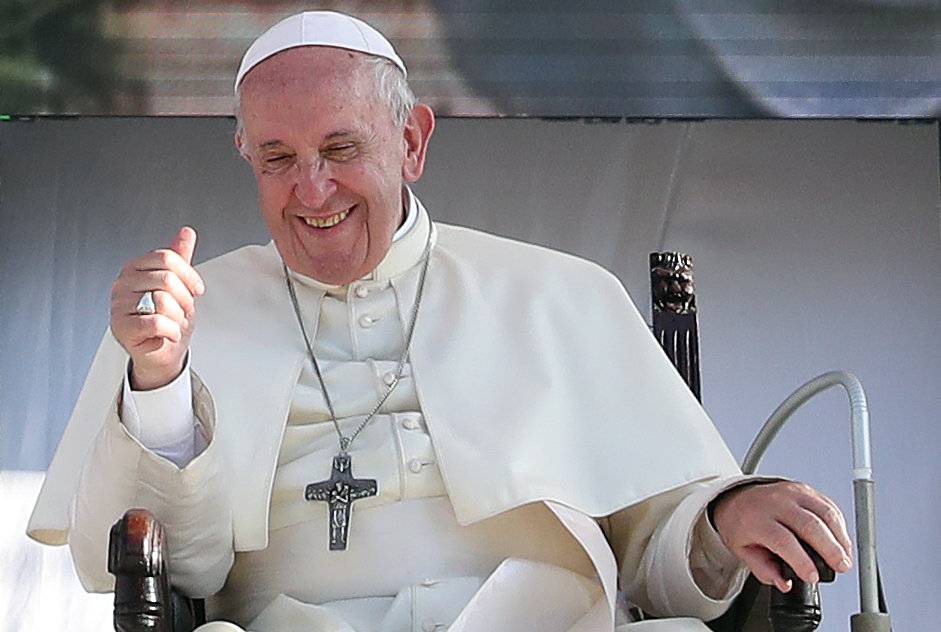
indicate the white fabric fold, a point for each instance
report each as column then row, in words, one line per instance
column 186, row 500
column 519, row 596
column 672, row 549
column 555, row 600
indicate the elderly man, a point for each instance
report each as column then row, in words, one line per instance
column 514, row 448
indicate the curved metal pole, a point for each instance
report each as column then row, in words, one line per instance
column 863, row 486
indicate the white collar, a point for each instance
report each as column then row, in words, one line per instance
column 411, row 214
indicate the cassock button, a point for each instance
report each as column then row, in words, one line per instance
column 366, row 322
column 415, row 466
column 388, row 378
column 362, row 291
column 410, row 423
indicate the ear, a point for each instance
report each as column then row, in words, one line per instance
column 418, row 129
column 238, row 145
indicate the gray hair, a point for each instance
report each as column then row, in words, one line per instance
column 391, row 86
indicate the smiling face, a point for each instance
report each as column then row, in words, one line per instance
column 329, row 159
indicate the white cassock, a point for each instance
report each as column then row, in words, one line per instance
column 528, row 409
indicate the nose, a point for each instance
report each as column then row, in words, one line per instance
column 314, row 184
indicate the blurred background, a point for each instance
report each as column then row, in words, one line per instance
column 637, row 58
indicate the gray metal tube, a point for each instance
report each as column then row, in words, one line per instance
column 862, row 469
column 870, row 622
column 863, row 496
column 859, row 417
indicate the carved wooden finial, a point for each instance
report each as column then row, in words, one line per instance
column 137, row 544
column 671, row 280
column 142, row 585
column 675, row 324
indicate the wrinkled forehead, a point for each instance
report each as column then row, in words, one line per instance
column 301, row 97
column 310, row 68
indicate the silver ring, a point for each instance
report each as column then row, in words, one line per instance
column 146, row 306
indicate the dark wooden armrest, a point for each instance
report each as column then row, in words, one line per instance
column 143, row 600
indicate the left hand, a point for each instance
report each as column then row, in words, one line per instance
column 762, row 522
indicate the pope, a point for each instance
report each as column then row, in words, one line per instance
column 377, row 422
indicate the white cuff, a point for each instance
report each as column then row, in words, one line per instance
column 687, row 542
column 162, row 419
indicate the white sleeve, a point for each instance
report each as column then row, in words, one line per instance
column 192, row 503
column 162, row 419
column 671, row 560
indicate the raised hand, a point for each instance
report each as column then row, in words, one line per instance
column 157, row 343
column 761, row 521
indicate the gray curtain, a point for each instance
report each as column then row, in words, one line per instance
column 817, row 246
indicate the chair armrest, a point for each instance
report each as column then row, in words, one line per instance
column 143, row 600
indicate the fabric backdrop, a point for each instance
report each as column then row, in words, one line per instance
column 816, row 247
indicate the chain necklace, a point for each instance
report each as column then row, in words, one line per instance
column 341, row 489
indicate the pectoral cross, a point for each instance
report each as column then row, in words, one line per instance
column 339, row 492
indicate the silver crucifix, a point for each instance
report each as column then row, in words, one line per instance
column 339, row 492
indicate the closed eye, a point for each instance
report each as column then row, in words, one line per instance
column 277, row 162
column 341, row 152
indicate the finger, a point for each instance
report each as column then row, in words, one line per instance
column 810, row 528
column 184, row 243
column 150, row 326
column 831, row 516
column 149, row 346
column 167, row 305
column 164, row 303
column 765, row 566
column 132, row 335
column 168, row 259
column 782, row 541
column 830, row 513
column 162, row 280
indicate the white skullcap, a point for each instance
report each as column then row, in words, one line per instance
column 317, row 28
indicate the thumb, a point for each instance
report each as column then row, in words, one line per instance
column 185, row 243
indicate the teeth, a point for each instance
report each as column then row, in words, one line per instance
column 326, row 222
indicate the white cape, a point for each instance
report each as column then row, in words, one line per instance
column 537, row 377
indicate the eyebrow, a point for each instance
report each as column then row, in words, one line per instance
column 270, row 144
column 280, row 143
column 331, row 136
column 339, row 134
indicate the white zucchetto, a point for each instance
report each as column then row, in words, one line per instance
column 318, row 28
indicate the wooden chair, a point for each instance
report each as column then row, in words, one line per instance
column 144, row 600
column 676, row 328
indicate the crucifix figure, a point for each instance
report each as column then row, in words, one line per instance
column 339, row 492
